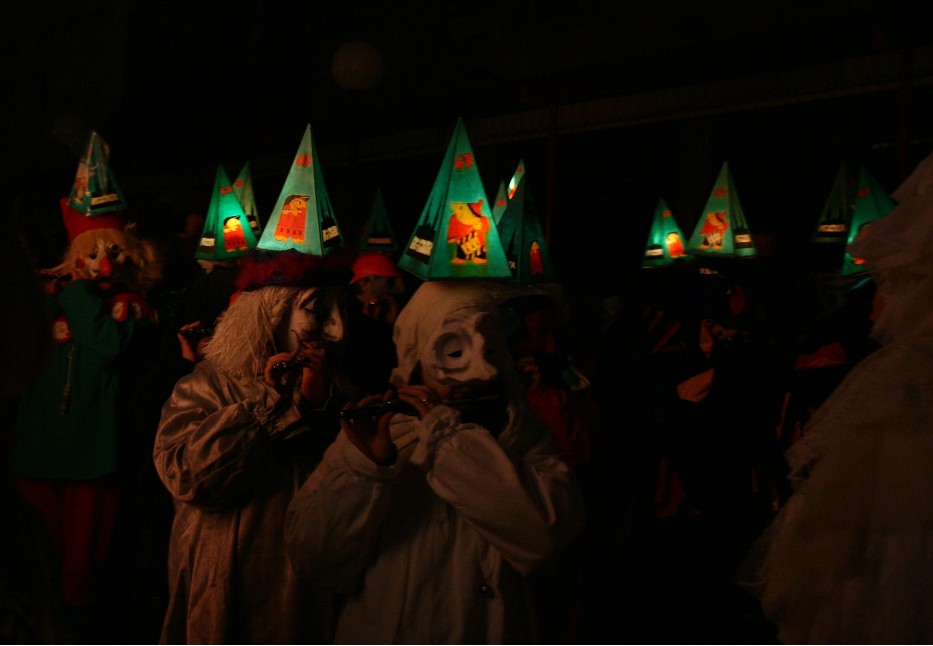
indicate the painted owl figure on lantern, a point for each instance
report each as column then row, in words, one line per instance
column 70, row 424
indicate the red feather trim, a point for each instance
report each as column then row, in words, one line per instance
column 293, row 268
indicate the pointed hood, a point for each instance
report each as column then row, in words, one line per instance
column 896, row 248
column 377, row 232
column 722, row 230
column 833, row 225
column 243, row 188
column 95, row 190
column 455, row 237
column 226, row 233
column 871, row 203
column 506, row 193
column 665, row 239
column 303, row 218
column 502, row 200
column 523, row 240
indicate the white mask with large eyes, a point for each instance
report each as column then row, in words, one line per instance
column 314, row 319
column 463, row 350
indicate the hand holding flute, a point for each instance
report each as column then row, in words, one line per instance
column 367, row 423
column 282, row 371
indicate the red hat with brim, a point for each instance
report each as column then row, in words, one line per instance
column 374, row 264
column 77, row 223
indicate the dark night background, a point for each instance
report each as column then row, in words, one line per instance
column 612, row 105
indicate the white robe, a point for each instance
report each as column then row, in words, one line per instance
column 849, row 559
column 437, row 547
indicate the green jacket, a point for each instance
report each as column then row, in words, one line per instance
column 68, row 422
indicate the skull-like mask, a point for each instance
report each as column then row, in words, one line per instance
column 465, row 349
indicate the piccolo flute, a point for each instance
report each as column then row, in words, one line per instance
column 400, row 406
column 291, row 365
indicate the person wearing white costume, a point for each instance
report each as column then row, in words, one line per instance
column 430, row 521
column 849, row 558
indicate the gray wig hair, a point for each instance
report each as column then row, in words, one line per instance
column 245, row 337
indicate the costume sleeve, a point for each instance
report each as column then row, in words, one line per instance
column 527, row 505
column 334, row 520
column 91, row 322
column 216, row 444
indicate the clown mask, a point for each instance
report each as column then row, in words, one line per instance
column 99, row 255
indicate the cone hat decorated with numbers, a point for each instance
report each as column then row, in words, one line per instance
column 95, row 190
column 722, row 230
column 833, row 225
column 523, row 240
column 665, row 240
column 871, row 203
column 227, row 234
column 303, row 218
column 455, row 237
column 377, row 232
column 243, row 188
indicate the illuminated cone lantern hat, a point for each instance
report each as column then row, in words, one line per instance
column 722, row 230
column 498, row 207
column 516, row 178
column 665, row 240
column 227, row 234
column 506, row 193
column 95, row 190
column 377, row 232
column 303, row 218
column 523, row 240
column 243, row 189
column 454, row 237
column 833, row 226
column 871, row 203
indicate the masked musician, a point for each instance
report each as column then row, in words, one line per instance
column 237, row 437
column 431, row 521
column 71, row 427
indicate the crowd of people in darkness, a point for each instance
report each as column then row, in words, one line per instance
column 294, row 447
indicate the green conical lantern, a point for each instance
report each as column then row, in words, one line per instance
column 377, row 232
column 833, row 226
column 226, row 233
column 722, row 230
column 303, row 218
column 454, row 237
column 871, row 203
column 523, row 240
column 516, row 178
column 243, row 187
column 502, row 200
column 95, row 190
column 665, row 240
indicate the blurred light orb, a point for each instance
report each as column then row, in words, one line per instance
column 357, row 65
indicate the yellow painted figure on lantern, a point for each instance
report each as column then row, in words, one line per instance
column 467, row 232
